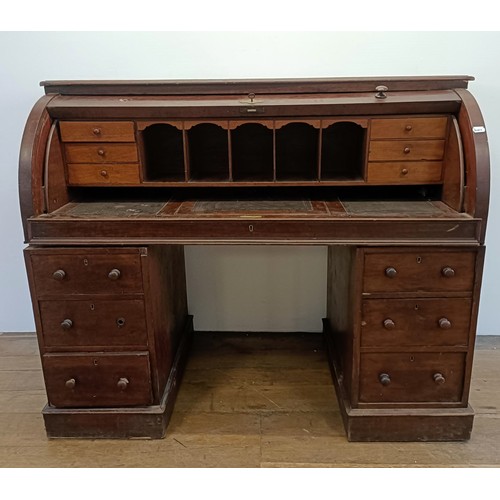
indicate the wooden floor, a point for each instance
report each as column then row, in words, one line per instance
column 246, row 401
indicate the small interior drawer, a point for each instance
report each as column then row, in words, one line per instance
column 425, row 271
column 86, row 272
column 404, row 172
column 97, row 380
column 101, row 153
column 90, row 174
column 97, row 131
column 415, row 322
column 400, row 128
column 411, row 377
column 411, row 150
column 95, row 323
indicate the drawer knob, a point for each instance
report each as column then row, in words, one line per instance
column 381, row 92
column 406, row 150
column 120, row 322
column 96, row 131
column 384, row 378
column 70, row 384
column 444, row 323
column 404, row 171
column 122, row 383
column 104, row 173
column 389, row 324
column 101, row 152
column 114, row 274
column 438, row 378
column 408, row 128
column 391, row 272
column 448, row 272
column 59, row 275
column 66, row 324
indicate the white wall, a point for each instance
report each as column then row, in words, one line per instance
column 235, row 288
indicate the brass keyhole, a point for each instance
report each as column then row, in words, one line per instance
column 92, row 307
column 250, row 228
column 419, row 260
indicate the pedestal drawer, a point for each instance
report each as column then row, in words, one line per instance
column 97, row 380
column 411, row 377
column 93, row 323
column 428, row 271
column 415, row 322
column 86, row 272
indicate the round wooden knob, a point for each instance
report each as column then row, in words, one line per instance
column 384, row 378
column 101, row 152
column 66, row 324
column 444, row 323
column 391, row 272
column 96, row 131
column 438, row 378
column 404, row 171
column 448, row 272
column 70, row 384
column 406, row 150
column 59, row 275
column 114, row 274
column 381, row 92
column 408, row 128
column 122, row 383
column 104, row 173
column 389, row 324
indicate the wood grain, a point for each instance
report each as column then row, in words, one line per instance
column 248, row 437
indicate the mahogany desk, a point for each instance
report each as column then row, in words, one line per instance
column 392, row 174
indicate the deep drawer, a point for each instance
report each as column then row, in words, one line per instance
column 86, row 272
column 97, row 131
column 407, row 377
column 93, row 323
column 101, row 153
column 415, row 322
column 406, row 150
column 97, row 380
column 81, row 174
column 400, row 128
column 427, row 271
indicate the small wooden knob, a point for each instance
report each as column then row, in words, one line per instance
column 104, row 173
column 389, row 324
column 122, row 383
column 438, row 378
column 66, row 324
column 408, row 128
column 114, row 274
column 101, row 152
column 448, row 272
column 391, row 272
column 406, row 150
column 444, row 323
column 384, row 378
column 96, row 131
column 404, row 171
column 381, row 92
column 70, row 384
column 59, row 275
